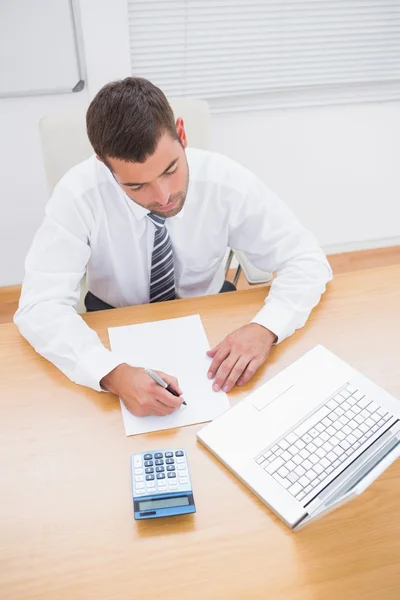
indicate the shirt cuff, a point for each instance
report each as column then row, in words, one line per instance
column 95, row 365
column 276, row 318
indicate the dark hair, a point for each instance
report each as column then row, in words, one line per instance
column 126, row 119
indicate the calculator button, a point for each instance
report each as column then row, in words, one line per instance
column 158, row 455
column 138, row 471
column 162, row 488
column 149, row 477
column 173, row 484
column 159, row 461
column 160, row 475
column 148, row 463
column 180, row 460
column 139, row 492
column 151, row 484
column 170, row 461
column 179, row 453
column 183, row 480
column 170, row 475
column 137, row 460
column 170, row 467
column 139, row 478
column 169, row 454
column 181, row 466
column 148, row 456
column 159, row 469
column 149, row 470
column 139, row 486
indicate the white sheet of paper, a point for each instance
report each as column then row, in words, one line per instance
column 177, row 347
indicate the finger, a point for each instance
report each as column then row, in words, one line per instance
column 146, row 411
column 221, row 355
column 154, row 407
column 225, row 370
column 249, row 371
column 212, row 352
column 155, row 413
column 236, row 372
column 172, row 382
column 167, row 400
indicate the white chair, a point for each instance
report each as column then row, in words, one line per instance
column 65, row 143
column 254, row 275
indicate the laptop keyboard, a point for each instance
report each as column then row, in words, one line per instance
column 308, row 457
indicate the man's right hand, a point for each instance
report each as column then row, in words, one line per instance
column 141, row 395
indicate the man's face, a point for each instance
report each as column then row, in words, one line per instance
column 160, row 183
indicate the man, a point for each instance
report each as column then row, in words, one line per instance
column 148, row 219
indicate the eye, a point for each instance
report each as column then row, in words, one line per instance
column 136, row 188
column 172, row 172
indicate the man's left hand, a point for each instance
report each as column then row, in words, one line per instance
column 239, row 355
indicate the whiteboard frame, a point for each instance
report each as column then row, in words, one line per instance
column 79, row 53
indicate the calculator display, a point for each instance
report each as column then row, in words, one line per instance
column 163, row 503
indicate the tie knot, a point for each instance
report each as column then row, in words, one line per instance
column 156, row 220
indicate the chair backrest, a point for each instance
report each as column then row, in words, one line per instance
column 65, row 143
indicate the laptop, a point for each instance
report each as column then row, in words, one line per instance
column 310, row 439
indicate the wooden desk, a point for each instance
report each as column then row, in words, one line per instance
column 67, row 529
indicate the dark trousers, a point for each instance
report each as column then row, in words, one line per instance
column 93, row 303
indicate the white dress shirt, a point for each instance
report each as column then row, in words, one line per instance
column 91, row 226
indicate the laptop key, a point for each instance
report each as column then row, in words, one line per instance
column 286, row 456
column 283, row 472
column 284, row 444
column 295, row 489
column 291, row 438
column 311, row 421
column 275, row 465
column 299, row 471
column 292, row 477
column 284, row 482
column 304, row 481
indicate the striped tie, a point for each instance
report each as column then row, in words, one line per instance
column 162, row 280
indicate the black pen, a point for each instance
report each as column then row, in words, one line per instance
column 163, row 383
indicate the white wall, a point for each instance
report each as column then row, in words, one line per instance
column 337, row 167
column 23, row 191
column 334, row 166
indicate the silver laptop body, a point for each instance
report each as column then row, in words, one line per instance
column 313, row 437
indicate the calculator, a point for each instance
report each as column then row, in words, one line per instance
column 161, row 484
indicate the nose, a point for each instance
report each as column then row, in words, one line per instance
column 161, row 193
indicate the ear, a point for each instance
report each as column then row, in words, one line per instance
column 180, row 130
column 98, row 158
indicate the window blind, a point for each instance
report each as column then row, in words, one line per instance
column 242, row 55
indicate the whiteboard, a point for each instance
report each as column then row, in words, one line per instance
column 40, row 47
